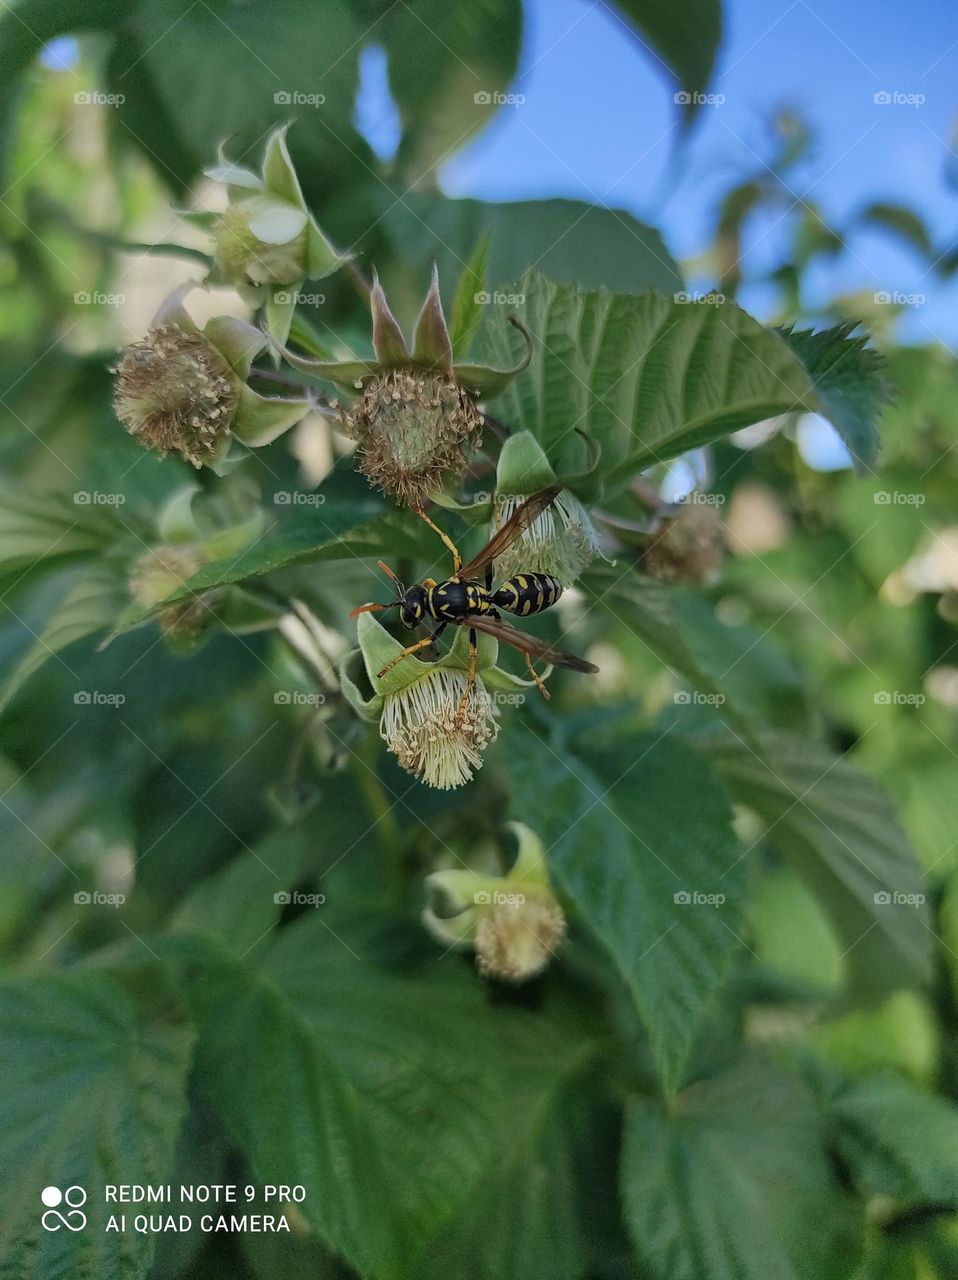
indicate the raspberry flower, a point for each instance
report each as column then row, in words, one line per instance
column 514, row 922
column 267, row 242
column 416, row 417
column 562, row 541
column 183, row 389
column 686, row 546
column 418, row 704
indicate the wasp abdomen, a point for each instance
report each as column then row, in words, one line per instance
column 528, row 593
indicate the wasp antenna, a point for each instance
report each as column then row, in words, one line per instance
column 373, row 608
column 386, row 570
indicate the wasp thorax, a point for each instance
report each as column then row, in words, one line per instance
column 515, row 940
column 686, row 547
column 175, row 391
column 413, row 426
column 242, row 258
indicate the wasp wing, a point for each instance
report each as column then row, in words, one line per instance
column 531, row 645
column 515, row 526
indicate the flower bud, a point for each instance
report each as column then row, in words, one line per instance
column 686, row 547
column 513, row 922
column 243, row 258
column 157, row 574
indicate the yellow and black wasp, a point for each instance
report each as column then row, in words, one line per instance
column 464, row 600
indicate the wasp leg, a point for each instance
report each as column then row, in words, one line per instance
column 410, row 649
column 470, row 679
column 446, row 540
column 539, row 685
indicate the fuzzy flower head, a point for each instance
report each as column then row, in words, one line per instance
column 513, row 923
column 432, row 729
column 416, row 418
column 157, row 574
column 182, row 389
column 562, row 541
column 687, row 547
column 267, row 242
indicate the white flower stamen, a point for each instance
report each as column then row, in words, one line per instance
column 422, row 728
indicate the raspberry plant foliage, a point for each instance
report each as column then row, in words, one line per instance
column 589, row 987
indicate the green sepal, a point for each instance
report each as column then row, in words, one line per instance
column 431, row 345
column 238, row 342
column 278, row 316
column 262, row 419
column 523, row 467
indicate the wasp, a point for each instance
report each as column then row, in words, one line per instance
column 468, row 599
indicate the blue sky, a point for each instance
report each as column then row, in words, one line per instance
column 598, row 122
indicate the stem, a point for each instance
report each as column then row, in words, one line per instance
column 107, row 240
column 498, row 428
column 361, row 284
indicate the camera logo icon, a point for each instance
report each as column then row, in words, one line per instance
column 882, row 898
column 682, row 898
column 282, row 899
column 282, row 98
column 82, row 898
column 73, row 1219
column 482, row 898
column 483, row 98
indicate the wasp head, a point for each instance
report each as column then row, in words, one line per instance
column 412, row 607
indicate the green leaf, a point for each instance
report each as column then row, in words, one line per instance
column 732, row 1182
column 92, row 1093
column 898, row 1141
column 339, row 529
column 903, row 222
column 744, row 679
column 38, row 526
column 840, row 833
column 241, row 903
column 467, row 304
column 374, row 1071
column 225, row 70
column 448, row 61
column 646, row 377
column 684, row 38
column 92, row 605
column 541, row 1193
column 570, row 241
column 631, row 837
column 846, row 379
